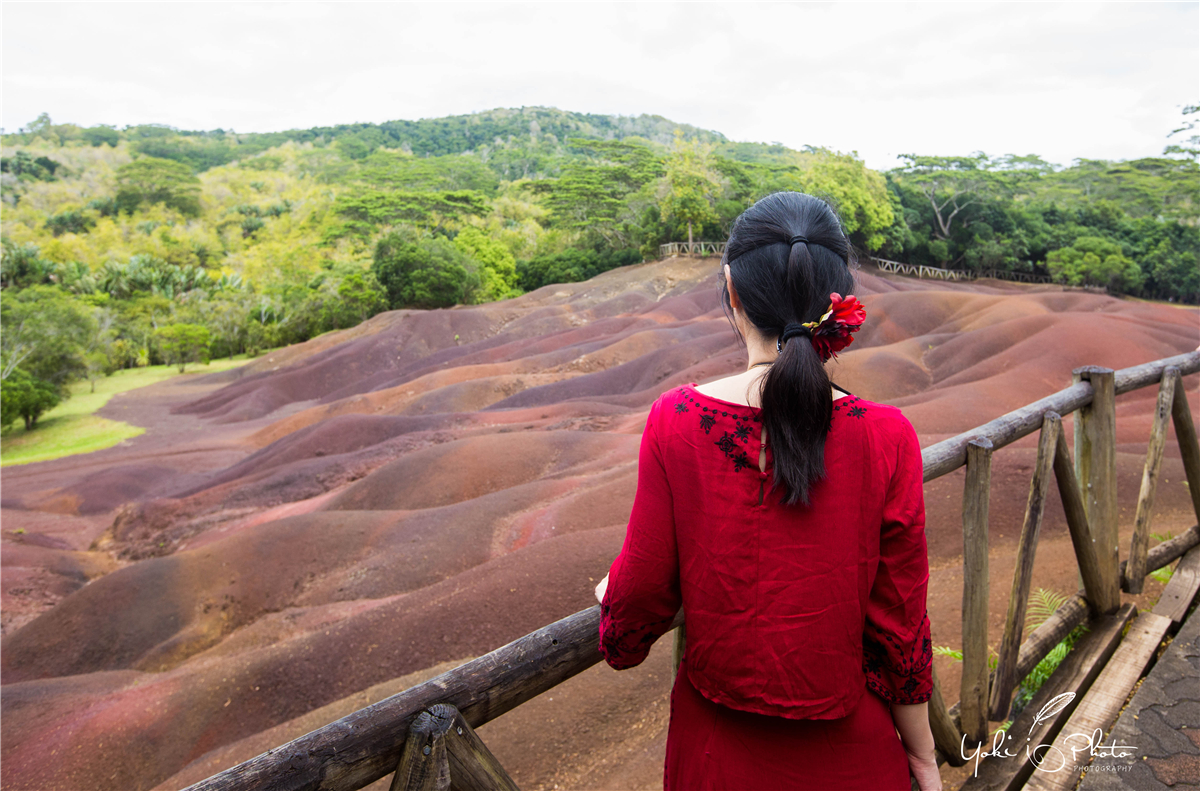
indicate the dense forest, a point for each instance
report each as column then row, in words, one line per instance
column 148, row 244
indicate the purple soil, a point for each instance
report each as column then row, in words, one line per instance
column 338, row 514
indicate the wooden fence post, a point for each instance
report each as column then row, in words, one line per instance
column 976, row 495
column 424, row 765
column 443, row 752
column 1018, row 600
column 945, row 733
column 1185, row 435
column 1135, row 569
column 678, row 646
column 1096, row 470
column 1077, row 525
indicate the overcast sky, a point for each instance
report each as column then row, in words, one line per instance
column 1095, row 80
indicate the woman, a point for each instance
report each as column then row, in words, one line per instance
column 787, row 520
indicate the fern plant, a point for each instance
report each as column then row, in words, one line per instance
column 1042, row 604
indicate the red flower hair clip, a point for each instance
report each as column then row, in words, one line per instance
column 831, row 333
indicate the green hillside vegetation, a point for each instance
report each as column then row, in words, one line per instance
column 73, row 427
column 122, row 247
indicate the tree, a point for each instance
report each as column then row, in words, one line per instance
column 25, row 396
column 150, row 180
column 571, row 266
column 857, row 193
column 591, row 195
column 27, row 167
column 21, row 264
column 496, row 266
column 950, row 184
column 46, row 332
column 359, row 297
column 690, row 184
column 1093, row 260
column 181, row 344
column 70, row 221
column 1189, row 143
column 431, row 273
column 99, row 135
column 365, row 209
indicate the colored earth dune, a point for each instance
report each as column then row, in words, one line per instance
column 338, row 520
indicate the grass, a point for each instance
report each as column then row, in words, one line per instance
column 72, row 427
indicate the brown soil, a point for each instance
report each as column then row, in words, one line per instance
column 339, row 520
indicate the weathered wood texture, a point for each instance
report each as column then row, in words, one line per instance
column 473, row 767
column 678, row 646
column 948, row 455
column 945, row 733
column 1170, row 550
column 1077, row 525
column 1040, row 723
column 1185, row 435
column 1018, row 599
column 1096, row 469
column 364, row 746
column 424, row 765
column 1102, row 703
column 976, row 497
column 1140, row 543
column 1178, row 594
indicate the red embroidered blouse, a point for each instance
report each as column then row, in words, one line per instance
column 791, row 611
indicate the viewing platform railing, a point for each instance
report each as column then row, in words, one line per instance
column 690, row 248
column 920, row 270
column 424, row 735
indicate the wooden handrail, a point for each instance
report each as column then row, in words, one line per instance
column 366, row 745
column 950, row 454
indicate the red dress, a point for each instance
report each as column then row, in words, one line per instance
column 793, row 612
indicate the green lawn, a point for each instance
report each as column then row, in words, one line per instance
column 72, row 427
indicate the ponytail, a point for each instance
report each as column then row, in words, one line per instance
column 797, row 409
column 787, row 254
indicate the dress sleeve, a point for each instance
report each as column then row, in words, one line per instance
column 643, row 593
column 897, row 651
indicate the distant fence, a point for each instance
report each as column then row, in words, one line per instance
column 690, row 248
column 919, row 270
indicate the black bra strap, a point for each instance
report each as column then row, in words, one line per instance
column 840, row 388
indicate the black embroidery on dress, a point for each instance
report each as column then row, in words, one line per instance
column 911, row 666
column 851, row 404
column 742, row 430
column 727, row 444
column 628, row 648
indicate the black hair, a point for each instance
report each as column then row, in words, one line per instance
column 780, row 283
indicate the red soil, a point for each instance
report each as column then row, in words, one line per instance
column 339, row 519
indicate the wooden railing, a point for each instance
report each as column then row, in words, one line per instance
column 424, row 735
column 919, row 270
column 690, row 248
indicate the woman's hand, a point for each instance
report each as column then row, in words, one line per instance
column 601, row 588
column 925, row 769
column 912, row 721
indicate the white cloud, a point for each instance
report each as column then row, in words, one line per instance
column 1062, row 80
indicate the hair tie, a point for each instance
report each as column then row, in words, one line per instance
column 797, row 238
column 789, row 332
